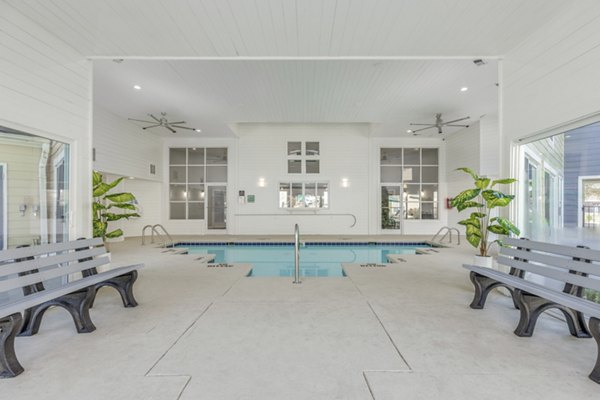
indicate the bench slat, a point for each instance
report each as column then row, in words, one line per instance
column 550, row 259
column 20, row 281
column 13, row 254
column 577, row 303
column 52, row 260
column 588, row 254
column 46, row 295
column 552, row 273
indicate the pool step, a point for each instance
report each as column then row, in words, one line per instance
column 206, row 258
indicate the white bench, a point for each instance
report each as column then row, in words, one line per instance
column 33, row 279
column 544, row 276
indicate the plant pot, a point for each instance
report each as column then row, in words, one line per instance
column 486, row 262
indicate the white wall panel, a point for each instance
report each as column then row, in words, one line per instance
column 125, row 149
column 462, row 150
column 45, row 90
column 262, row 152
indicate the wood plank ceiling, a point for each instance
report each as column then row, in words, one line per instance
column 166, row 45
column 230, row 28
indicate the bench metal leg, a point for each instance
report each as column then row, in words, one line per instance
column 9, row 327
column 483, row 286
column 76, row 303
column 532, row 307
column 595, row 328
column 124, row 285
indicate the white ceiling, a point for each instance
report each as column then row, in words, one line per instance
column 427, row 35
column 231, row 28
column 213, row 95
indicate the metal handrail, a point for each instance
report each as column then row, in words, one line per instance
column 448, row 231
column 144, row 233
column 154, row 230
column 296, row 254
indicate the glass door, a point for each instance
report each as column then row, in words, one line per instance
column 531, row 196
column 216, row 207
column 391, row 207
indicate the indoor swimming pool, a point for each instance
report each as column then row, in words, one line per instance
column 317, row 259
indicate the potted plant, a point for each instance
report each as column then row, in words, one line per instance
column 104, row 202
column 483, row 199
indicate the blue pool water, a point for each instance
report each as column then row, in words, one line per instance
column 316, row 259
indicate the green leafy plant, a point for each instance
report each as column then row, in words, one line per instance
column 104, row 202
column 483, row 198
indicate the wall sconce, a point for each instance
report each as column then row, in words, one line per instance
column 345, row 182
column 22, row 209
column 261, row 182
column 35, row 209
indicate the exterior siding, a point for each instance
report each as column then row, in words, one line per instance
column 582, row 150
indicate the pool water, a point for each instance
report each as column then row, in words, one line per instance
column 316, row 259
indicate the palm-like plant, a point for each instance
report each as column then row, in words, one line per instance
column 103, row 202
column 483, row 198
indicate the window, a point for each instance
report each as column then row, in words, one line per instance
column 303, row 154
column 301, row 195
column 190, row 171
column 409, row 184
column 34, row 189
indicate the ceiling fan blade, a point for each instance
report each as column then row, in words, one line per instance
column 140, row 120
column 422, row 124
column 462, row 126
column 176, row 123
column 182, row 127
column 171, row 129
column 456, row 120
column 150, row 126
column 422, row 129
column 154, row 118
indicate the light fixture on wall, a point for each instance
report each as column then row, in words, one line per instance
column 35, row 210
column 22, row 209
column 345, row 182
column 262, row 182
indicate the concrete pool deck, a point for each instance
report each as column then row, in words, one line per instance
column 400, row 332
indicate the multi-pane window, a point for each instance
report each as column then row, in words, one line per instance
column 190, row 170
column 409, row 184
column 303, row 195
column 303, row 157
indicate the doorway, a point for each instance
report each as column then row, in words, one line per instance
column 216, row 207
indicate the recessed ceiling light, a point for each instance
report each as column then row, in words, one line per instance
column 464, row 89
column 198, row 130
column 409, row 131
column 137, row 87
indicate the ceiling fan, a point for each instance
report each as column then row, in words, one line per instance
column 164, row 122
column 439, row 124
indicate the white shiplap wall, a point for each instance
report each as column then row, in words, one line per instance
column 262, row 153
column 124, row 149
column 45, row 90
column 462, row 150
column 149, row 197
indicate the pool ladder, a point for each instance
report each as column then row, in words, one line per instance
column 154, row 231
column 296, row 254
column 448, row 231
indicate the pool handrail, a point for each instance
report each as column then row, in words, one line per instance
column 296, row 254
